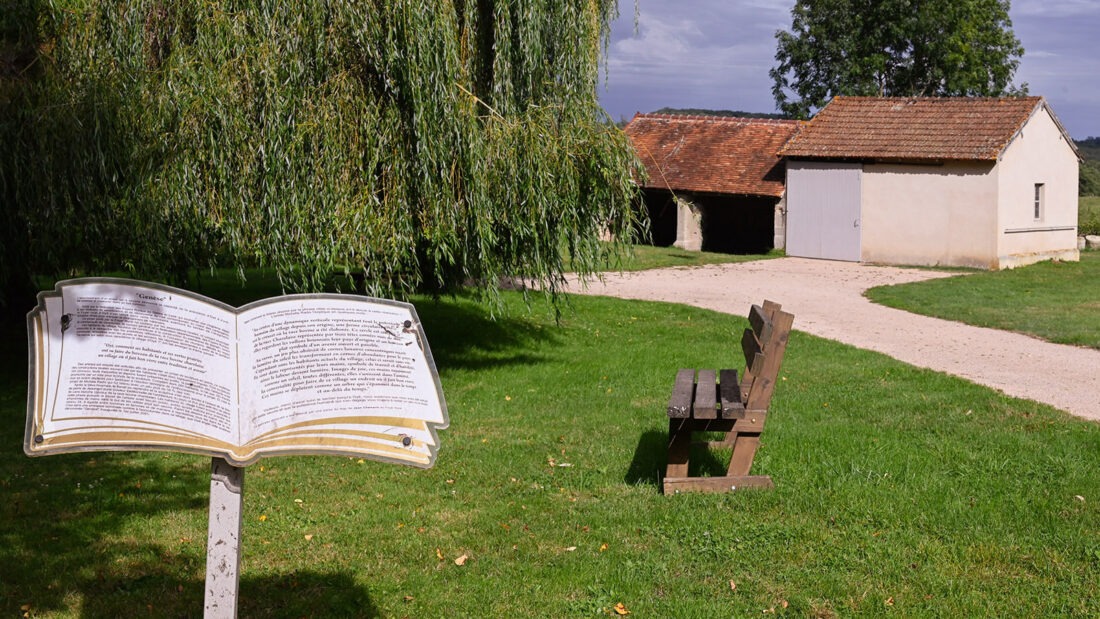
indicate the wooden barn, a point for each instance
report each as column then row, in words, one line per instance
column 715, row 183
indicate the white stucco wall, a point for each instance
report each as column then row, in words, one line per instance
column 1038, row 154
column 938, row 215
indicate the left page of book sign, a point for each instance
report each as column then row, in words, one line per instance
column 118, row 364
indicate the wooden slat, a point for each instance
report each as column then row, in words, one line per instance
column 760, row 395
column 753, row 421
column 674, row 485
column 761, row 323
column 751, row 346
column 744, row 450
column 729, row 390
column 706, row 391
column 752, row 370
column 679, row 405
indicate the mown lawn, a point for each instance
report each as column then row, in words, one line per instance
column 899, row 491
column 1056, row 301
column 644, row 257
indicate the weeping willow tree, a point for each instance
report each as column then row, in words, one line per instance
column 416, row 145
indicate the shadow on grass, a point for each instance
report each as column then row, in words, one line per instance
column 651, row 457
column 65, row 544
column 463, row 335
column 305, row 594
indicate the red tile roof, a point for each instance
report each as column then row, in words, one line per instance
column 913, row 129
column 711, row 154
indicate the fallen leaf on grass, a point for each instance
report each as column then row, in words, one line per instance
column 570, row 549
column 263, row 517
column 1079, row 498
column 439, row 554
column 603, row 547
column 309, row 537
column 461, row 560
column 733, row 586
column 408, row 598
column 621, row 610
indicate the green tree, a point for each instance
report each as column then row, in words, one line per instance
column 894, row 48
column 419, row 145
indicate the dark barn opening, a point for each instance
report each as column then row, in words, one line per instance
column 738, row 224
column 661, row 207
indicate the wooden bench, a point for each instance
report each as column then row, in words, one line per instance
column 716, row 401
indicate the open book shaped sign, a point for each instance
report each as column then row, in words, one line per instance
column 119, row 365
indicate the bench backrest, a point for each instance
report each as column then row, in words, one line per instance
column 763, row 344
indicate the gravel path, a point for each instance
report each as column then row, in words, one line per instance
column 827, row 300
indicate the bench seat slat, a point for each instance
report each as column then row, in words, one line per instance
column 706, row 395
column 729, row 390
column 679, row 405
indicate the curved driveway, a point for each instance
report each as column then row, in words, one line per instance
column 827, row 300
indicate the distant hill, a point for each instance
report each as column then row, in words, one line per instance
column 1089, row 147
column 698, row 112
column 1089, row 184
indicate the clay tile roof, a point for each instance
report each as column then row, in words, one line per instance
column 711, row 154
column 914, row 129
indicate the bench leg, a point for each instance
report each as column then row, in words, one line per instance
column 679, row 448
column 744, row 450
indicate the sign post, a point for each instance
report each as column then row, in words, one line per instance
column 223, row 540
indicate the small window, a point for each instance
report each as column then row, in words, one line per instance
column 1039, row 191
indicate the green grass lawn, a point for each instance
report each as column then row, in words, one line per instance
column 1056, row 301
column 898, row 491
column 643, row 257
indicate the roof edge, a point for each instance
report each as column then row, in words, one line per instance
column 1058, row 123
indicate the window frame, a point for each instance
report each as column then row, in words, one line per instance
column 1039, row 201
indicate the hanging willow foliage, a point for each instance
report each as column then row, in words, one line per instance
column 421, row 145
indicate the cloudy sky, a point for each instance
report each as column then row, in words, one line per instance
column 715, row 54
